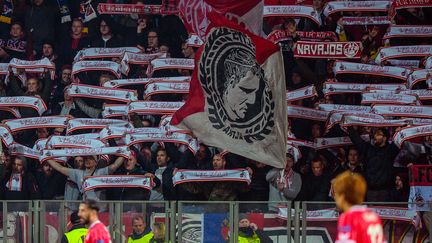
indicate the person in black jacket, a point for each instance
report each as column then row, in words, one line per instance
column 131, row 167
column 19, row 183
column 106, row 37
column 378, row 159
column 317, row 183
column 51, row 183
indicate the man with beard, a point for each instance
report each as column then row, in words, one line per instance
column 97, row 231
column 78, row 231
column 357, row 223
column 249, row 232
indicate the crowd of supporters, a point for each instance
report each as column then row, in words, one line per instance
column 37, row 31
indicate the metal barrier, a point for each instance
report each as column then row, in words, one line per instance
column 189, row 221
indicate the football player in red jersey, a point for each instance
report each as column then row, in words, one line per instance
column 357, row 224
column 98, row 233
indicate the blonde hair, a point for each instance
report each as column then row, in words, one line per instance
column 352, row 186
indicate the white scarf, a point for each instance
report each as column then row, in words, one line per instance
column 143, row 81
column 72, row 152
column 353, row 120
column 24, row 101
column 110, row 132
column 388, row 98
column 170, row 63
column 331, row 88
column 396, row 31
column 386, row 53
column 154, row 107
column 337, row 117
column 145, row 135
column 302, row 93
column 12, row 110
column 166, row 88
column 428, row 63
column 404, row 111
column 360, row 68
column 85, row 66
column 348, row 108
column 110, row 181
column 93, row 123
column 99, row 53
column 235, row 175
column 36, row 66
column 55, row 142
column 97, row 92
column 419, row 76
column 130, row 58
column 277, row 36
column 411, row 132
column 37, row 122
column 114, row 110
column 40, row 144
column 369, row 20
column 404, row 63
column 6, row 135
column 306, row 113
column 292, row 11
column 363, row 6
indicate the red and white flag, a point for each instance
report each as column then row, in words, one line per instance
column 420, row 188
column 195, row 14
column 237, row 95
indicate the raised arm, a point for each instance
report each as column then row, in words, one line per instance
column 65, row 171
column 88, row 110
column 117, row 163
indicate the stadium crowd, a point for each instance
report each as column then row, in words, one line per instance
column 318, row 109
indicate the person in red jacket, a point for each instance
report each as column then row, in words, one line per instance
column 98, row 233
column 357, row 224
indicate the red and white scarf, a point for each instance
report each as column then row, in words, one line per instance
column 110, row 181
column 388, row 98
column 158, row 135
column 324, row 143
column 235, row 175
column 407, row 31
column 37, row 66
column 353, row 120
column 4, row 68
column 127, row 9
column 130, row 58
column 40, row 144
column 286, row 178
column 306, row 113
column 97, row 92
column 154, row 107
column 100, row 53
column 24, row 101
column 428, row 63
column 363, row 69
column 369, row 20
column 418, row 121
column 6, row 135
column 170, row 63
column 419, row 76
column 19, row 149
column 331, row 88
column 114, row 110
column 348, row 108
column 300, row 142
column 167, row 127
column 404, row 63
column 15, row 182
column 401, row 4
column 403, row 110
column 144, row 81
column 277, row 36
column 392, row 52
column 93, row 123
column 110, row 132
column 302, row 93
column 338, row 116
column 36, row 122
column 411, row 132
column 356, row 6
column 107, row 66
column 166, row 88
column 194, row 41
column 55, row 142
column 12, row 110
column 422, row 94
column 73, row 152
column 292, row 11
column 332, row 50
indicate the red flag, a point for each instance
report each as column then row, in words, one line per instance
column 237, row 95
column 195, row 13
